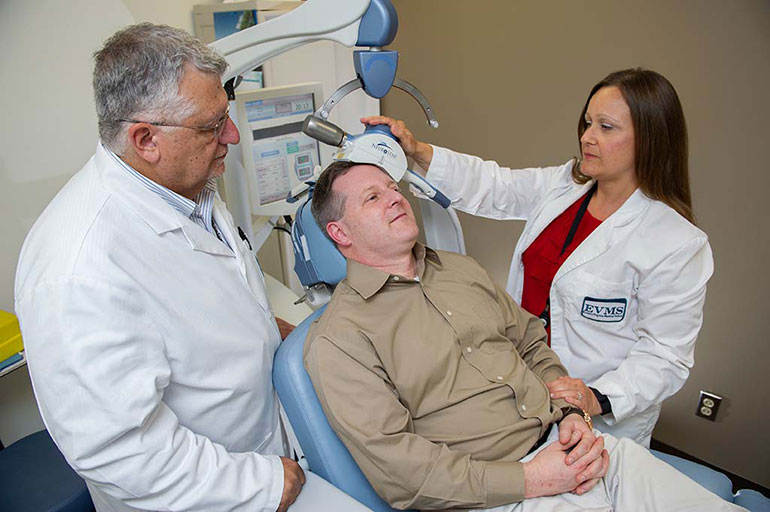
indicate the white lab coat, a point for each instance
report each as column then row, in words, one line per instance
column 627, row 304
column 150, row 348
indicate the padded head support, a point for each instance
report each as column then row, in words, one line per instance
column 316, row 258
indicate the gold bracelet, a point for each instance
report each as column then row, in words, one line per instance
column 586, row 417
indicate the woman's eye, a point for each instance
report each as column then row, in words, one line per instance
column 607, row 127
column 588, row 123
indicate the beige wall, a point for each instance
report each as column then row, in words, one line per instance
column 48, row 131
column 507, row 80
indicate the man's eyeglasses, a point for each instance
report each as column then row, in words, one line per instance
column 216, row 129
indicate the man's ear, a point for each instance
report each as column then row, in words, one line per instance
column 337, row 233
column 144, row 142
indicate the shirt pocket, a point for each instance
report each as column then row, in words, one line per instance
column 490, row 321
column 487, row 309
column 599, row 302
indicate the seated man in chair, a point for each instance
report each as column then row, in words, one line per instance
column 435, row 379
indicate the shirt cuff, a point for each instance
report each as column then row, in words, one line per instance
column 505, row 483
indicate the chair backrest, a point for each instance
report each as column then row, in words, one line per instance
column 325, row 453
column 317, row 261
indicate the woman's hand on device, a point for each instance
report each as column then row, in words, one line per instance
column 419, row 151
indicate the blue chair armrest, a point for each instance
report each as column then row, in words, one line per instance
column 752, row 500
column 318, row 495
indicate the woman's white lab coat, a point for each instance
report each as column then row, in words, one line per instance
column 627, row 304
column 150, row 347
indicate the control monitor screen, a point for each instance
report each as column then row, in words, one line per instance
column 277, row 155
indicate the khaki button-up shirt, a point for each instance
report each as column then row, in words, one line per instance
column 436, row 384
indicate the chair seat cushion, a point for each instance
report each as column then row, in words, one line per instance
column 35, row 477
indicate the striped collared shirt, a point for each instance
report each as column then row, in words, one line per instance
column 199, row 211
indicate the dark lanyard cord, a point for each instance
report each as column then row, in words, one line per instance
column 545, row 316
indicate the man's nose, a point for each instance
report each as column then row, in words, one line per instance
column 394, row 198
column 230, row 134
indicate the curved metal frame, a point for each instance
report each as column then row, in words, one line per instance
column 398, row 83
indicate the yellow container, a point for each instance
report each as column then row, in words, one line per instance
column 10, row 335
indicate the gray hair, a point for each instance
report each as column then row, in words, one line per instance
column 137, row 73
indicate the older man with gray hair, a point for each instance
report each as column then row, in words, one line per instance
column 144, row 314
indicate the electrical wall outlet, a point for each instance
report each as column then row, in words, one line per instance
column 708, row 405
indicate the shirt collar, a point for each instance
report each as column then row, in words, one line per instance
column 204, row 204
column 367, row 281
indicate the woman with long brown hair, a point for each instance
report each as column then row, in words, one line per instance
column 610, row 258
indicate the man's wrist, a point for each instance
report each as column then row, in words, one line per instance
column 566, row 411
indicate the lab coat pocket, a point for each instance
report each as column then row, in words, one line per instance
column 599, row 302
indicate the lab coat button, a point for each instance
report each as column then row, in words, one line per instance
column 448, row 313
column 468, row 349
column 499, row 377
column 523, row 407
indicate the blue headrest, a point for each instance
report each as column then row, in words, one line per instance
column 316, row 258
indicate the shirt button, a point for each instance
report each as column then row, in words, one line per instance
column 395, row 278
column 499, row 377
column 468, row 349
column 523, row 407
column 448, row 313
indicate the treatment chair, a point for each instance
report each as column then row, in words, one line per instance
column 326, row 456
column 321, row 263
